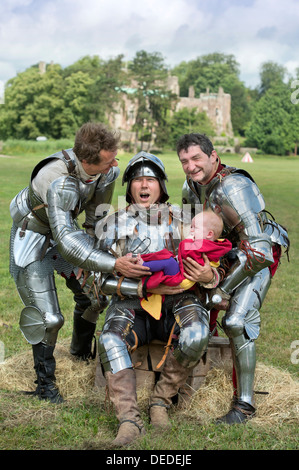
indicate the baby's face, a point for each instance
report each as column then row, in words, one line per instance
column 198, row 230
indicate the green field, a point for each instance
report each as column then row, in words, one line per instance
column 29, row 424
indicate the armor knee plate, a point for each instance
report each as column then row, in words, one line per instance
column 40, row 327
column 193, row 320
column 243, row 316
column 113, row 351
column 119, row 320
column 41, row 319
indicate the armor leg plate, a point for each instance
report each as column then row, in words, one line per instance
column 41, row 318
column 242, row 326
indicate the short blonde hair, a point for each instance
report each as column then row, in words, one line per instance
column 213, row 221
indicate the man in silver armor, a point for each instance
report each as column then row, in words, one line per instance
column 148, row 224
column 257, row 242
column 45, row 236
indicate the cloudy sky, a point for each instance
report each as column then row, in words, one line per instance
column 254, row 31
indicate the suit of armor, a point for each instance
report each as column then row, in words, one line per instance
column 46, row 237
column 139, row 230
column 233, row 194
column 145, row 230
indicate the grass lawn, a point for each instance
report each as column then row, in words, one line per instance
column 27, row 424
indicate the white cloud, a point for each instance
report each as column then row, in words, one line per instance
column 254, row 31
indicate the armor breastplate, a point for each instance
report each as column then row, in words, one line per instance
column 154, row 230
column 140, row 230
column 234, row 195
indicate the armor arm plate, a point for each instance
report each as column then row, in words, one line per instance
column 76, row 246
column 110, row 286
column 241, row 203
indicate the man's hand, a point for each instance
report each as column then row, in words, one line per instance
column 128, row 267
column 85, row 275
column 163, row 289
column 197, row 273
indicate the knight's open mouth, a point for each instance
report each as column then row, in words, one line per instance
column 144, row 195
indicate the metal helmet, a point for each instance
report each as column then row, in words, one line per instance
column 145, row 164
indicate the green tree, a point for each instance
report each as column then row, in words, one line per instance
column 57, row 102
column 20, row 93
column 185, row 121
column 271, row 74
column 75, row 109
column 207, row 71
column 149, row 74
column 274, row 124
column 106, row 78
column 33, row 102
column 216, row 70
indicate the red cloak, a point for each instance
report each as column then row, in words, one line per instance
column 187, row 248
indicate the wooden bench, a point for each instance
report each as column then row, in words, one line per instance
column 146, row 358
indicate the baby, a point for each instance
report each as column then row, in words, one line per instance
column 206, row 228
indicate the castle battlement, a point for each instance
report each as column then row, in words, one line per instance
column 217, row 106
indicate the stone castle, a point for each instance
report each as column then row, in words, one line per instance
column 217, row 106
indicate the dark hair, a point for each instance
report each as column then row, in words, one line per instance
column 91, row 138
column 187, row 140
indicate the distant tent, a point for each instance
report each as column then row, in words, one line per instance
column 247, row 158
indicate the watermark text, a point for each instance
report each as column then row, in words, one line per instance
column 2, row 92
column 295, row 94
column 295, row 353
column 2, row 352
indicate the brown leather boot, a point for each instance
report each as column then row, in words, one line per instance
column 122, row 393
column 173, row 376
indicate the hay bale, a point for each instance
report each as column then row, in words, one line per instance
column 276, row 396
column 76, row 379
column 281, row 403
column 16, row 373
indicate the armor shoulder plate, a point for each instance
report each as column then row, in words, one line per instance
column 111, row 176
column 235, row 197
column 70, row 162
column 189, row 194
column 63, row 193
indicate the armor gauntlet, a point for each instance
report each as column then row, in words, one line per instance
column 75, row 246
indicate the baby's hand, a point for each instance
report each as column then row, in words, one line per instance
column 137, row 259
